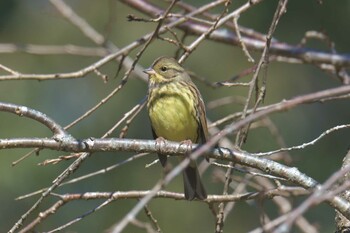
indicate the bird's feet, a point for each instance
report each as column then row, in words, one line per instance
column 159, row 143
column 188, row 143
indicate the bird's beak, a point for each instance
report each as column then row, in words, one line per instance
column 149, row 71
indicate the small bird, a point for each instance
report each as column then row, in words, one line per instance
column 177, row 113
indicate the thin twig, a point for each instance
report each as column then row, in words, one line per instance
column 241, row 42
column 92, row 174
column 306, row 144
column 247, row 171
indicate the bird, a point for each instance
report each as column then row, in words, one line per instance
column 177, row 113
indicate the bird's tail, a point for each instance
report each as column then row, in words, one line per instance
column 193, row 184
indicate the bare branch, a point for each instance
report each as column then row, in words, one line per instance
column 306, row 144
column 307, row 55
column 53, row 50
column 186, row 27
column 23, row 111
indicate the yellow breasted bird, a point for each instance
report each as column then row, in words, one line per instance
column 177, row 113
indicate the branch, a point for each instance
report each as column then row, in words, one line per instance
column 82, row 72
column 70, row 75
column 52, row 49
column 119, row 195
column 284, row 223
column 266, row 165
column 307, row 55
column 92, row 34
column 343, row 223
column 40, row 117
column 305, row 144
column 173, row 148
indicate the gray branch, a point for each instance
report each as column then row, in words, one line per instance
column 307, row 55
column 42, row 118
column 173, row 148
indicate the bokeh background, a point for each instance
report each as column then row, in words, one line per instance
column 37, row 22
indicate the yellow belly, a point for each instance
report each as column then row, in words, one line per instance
column 172, row 118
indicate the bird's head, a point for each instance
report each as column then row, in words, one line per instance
column 164, row 70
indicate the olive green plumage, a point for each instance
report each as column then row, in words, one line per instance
column 177, row 113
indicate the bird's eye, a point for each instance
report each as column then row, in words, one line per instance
column 163, row 68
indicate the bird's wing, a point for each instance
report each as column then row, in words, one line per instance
column 202, row 127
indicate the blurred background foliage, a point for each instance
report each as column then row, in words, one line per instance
column 38, row 22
